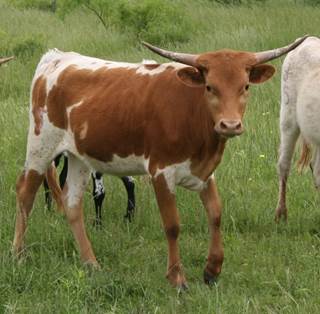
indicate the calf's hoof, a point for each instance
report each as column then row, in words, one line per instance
column 97, row 223
column 183, row 287
column 176, row 278
column 17, row 251
column 92, row 266
column 128, row 216
column 209, row 279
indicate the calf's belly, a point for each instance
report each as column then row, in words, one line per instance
column 131, row 165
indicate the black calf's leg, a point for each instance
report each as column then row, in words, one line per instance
column 62, row 179
column 47, row 194
column 64, row 171
column 98, row 194
column 129, row 185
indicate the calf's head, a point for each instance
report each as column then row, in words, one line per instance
column 225, row 76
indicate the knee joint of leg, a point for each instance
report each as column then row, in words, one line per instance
column 283, row 166
column 72, row 215
column 216, row 220
column 172, row 231
column 20, row 182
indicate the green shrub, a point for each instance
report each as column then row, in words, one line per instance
column 157, row 21
column 238, row 2
column 45, row 5
column 27, row 47
column 229, row 2
column 312, row 2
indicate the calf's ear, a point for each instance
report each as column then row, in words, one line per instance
column 191, row 77
column 261, row 73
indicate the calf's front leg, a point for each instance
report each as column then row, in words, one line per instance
column 170, row 218
column 211, row 201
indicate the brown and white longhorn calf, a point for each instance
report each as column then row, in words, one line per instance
column 170, row 121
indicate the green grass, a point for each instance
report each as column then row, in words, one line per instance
column 268, row 268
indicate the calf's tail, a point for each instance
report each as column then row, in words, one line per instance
column 305, row 156
column 52, row 179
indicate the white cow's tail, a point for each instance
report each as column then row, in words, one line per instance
column 305, row 156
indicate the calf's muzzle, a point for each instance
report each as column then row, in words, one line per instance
column 229, row 128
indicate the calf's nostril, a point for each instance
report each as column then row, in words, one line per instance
column 238, row 126
column 223, row 125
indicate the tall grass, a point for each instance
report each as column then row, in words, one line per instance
column 267, row 268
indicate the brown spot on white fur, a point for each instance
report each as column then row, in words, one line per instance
column 39, row 95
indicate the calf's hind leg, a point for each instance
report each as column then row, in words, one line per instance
column 26, row 188
column 77, row 180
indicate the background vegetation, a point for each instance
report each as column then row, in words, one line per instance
column 267, row 268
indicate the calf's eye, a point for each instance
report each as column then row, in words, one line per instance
column 247, row 87
column 208, row 88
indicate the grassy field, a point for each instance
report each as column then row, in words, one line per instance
column 268, row 268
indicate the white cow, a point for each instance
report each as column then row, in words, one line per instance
column 300, row 113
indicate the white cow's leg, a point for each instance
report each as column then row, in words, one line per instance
column 211, row 201
column 170, row 218
column 289, row 135
column 77, row 180
column 316, row 168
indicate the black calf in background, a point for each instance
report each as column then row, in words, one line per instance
column 98, row 191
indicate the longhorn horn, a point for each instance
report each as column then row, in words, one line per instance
column 4, row 60
column 184, row 58
column 265, row 56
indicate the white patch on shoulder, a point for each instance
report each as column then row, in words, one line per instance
column 180, row 174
